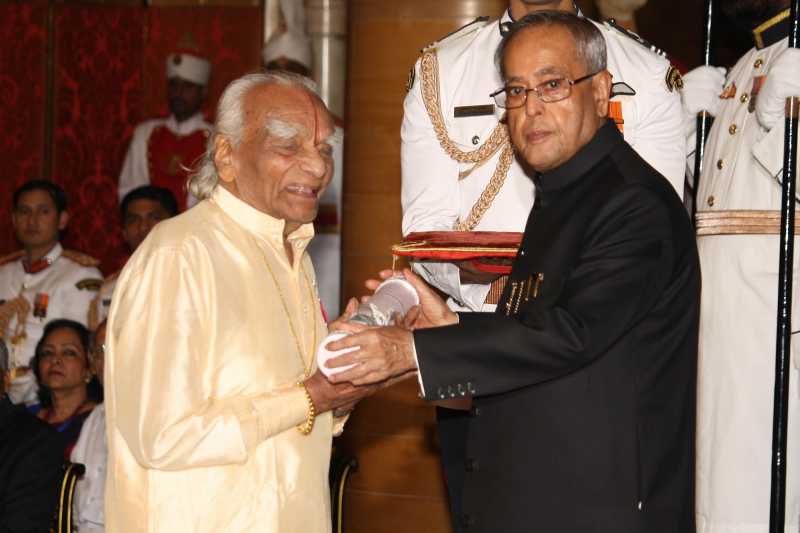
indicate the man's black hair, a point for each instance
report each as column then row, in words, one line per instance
column 55, row 192
column 150, row 192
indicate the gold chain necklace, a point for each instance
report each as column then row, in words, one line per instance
column 306, row 368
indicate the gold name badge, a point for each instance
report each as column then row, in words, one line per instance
column 473, row 111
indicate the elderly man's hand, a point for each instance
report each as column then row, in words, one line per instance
column 342, row 324
column 337, row 397
column 432, row 312
column 385, row 353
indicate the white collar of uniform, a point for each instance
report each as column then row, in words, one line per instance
column 54, row 253
column 263, row 225
column 506, row 18
column 190, row 125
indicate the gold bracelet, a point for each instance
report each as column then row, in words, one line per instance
column 306, row 427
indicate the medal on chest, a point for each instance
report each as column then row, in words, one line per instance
column 40, row 302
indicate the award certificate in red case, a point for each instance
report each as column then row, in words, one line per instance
column 488, row 251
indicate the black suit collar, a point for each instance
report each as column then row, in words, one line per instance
column 605, row 139
column 772, row 30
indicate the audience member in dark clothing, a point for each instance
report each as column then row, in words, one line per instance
column 31, row 455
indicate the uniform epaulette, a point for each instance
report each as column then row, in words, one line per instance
column 473, row 26
column 13, row 256
column 80, row 258
column 611, row 23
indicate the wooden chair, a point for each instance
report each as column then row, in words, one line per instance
column 341, row 468
column 72, row 472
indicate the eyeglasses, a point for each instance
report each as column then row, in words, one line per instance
column 553, row 90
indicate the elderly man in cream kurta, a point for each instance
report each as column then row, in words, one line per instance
column 218, row 419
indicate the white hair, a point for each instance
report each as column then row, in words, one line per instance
column 230, row 123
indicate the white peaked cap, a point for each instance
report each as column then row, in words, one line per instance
column 291, row 43
column 189, row 67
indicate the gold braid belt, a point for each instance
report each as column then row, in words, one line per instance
column 740, row 222
column 499, row 139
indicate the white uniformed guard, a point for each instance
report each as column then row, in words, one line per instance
column 290, row 49
column 738, row 204
column 163, row 148
column 458, row 168
column 40, row 283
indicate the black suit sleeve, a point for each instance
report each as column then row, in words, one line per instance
column 625, row 262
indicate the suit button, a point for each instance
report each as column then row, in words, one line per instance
column 758, row 63
column 710, row 201
column 467, row 520
column 476, row 140
column 720, row 164
column 733, row 129
column 744, row 98
column 471, row 465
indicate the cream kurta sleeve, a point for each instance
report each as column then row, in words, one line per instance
column 168, row 410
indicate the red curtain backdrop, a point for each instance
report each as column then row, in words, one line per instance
column 97, row 103
column 108, row 74
column 23, row 28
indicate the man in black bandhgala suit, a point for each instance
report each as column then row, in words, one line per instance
column 583, row 380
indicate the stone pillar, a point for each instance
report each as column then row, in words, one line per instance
column 327, row 28
column 399, row 486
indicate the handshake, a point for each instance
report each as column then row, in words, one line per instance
column 371, row 345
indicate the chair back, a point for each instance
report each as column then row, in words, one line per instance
column 340, row 470
column 72, row 472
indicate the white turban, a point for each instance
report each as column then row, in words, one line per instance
column 189, row 67
column 292, row 43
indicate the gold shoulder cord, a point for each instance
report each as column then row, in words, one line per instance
column 429, row 84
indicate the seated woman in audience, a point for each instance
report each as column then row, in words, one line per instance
column 67, row 389
column 91, row 452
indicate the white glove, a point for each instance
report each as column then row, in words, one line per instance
column 783, row 81
column 23, row 389
column 619, row 9
column 701, row 89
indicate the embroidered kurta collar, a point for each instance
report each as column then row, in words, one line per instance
column 772, row 30
column 259, row 223
column 605, row 140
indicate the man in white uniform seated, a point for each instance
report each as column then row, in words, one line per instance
column 41, row 282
